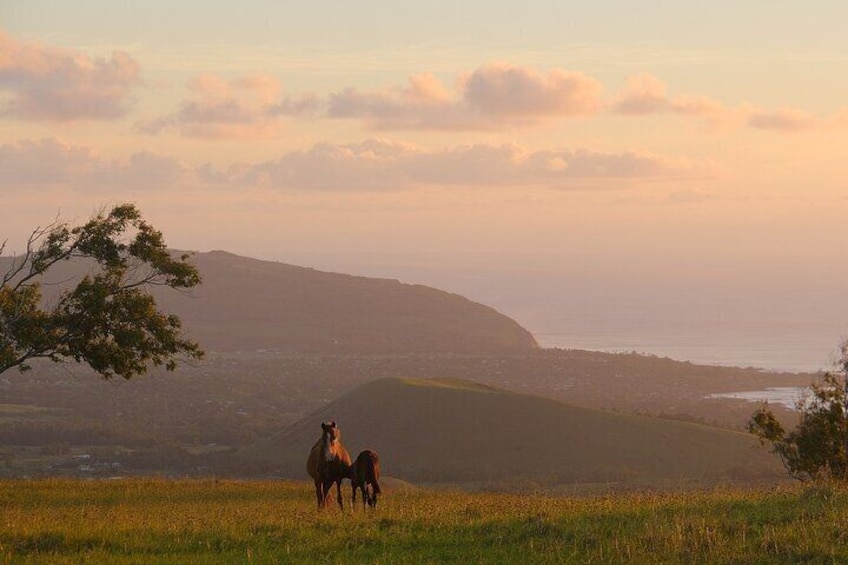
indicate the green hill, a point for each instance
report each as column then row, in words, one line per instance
column 456, row 431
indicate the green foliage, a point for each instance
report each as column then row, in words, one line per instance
column 108, row 320
column 161, row 521
column 817, row 448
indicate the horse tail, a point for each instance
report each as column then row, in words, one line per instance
column 375, row 472
column 313, row 462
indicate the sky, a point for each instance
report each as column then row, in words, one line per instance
column 588, row 168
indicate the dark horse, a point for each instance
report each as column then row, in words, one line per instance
column 328, row 463
column 365, row 472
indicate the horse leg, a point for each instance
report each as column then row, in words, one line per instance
column 319, row 492
column 326, row 486
column 372, row 496
column 339, row 494
column 353, row 488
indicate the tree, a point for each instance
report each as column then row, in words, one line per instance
column 817, row 448
column 108, row 320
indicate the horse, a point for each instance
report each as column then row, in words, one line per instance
column 365, row 471
column 328, row 463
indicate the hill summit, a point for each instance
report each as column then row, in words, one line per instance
column 461, row 432
column 247, row 304
column 250, row 304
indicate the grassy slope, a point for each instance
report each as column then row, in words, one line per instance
column 455, row 431
column 154, row 521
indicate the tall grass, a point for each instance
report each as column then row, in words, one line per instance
column 188, row 521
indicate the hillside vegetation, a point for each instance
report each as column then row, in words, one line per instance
column 248, row 304
column 460, row 432
column 155, row 521
column 166, row 423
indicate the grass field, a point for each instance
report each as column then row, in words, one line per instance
column 187, row 521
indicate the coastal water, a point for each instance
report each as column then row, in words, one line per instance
column 790, row 353
column 803, row 351
column 743, row 315
column 787, row 396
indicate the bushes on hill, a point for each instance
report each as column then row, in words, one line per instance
column 817, row 448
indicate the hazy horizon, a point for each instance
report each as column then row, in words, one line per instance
column 687, row 319
column 598, row 172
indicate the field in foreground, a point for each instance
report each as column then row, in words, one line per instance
column 164, row 521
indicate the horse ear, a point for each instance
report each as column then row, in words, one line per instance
column 324, row 426
column 333, row 424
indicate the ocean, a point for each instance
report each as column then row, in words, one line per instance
column 751, row 315
column 785, row 351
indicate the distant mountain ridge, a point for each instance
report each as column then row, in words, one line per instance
column 249, row 304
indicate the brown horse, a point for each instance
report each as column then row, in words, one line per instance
column 365, row 471
column 328, row 463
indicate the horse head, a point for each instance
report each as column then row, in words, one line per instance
column 328, row 463
column 330, row 439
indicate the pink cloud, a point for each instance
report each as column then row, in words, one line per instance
column 784, row 119
column 373, row 165
column 499, row 89
column 44, row 162
column 645, row 94
column 244, row 107
column 423, row 104
column 699, row 106
column 490, row 97
column 50, row 162
column 263, row 89
column 143, row 170
column 53, row 84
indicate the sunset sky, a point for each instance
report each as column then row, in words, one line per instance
column 681, row 161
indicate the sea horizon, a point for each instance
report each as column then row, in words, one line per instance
column 778, row 352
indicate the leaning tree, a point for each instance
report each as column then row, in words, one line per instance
column 107, row 318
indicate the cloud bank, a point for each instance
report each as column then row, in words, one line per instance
column 46, row 83
column 52, row 163
column 647, row 95
column 372, row 165
column 492, row 97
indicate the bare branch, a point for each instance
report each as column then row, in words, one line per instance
column 26, row 266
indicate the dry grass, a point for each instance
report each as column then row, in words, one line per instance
column 161, row 521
